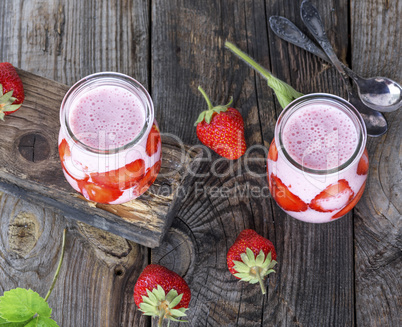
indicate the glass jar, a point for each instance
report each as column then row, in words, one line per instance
column 317, row 163
column 109, row 142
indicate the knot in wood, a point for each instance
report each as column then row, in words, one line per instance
column 34, row 147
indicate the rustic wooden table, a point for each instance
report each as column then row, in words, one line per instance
column 346, row 273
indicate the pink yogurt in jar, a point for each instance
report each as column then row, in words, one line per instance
column 109, row 142
column 317, row 162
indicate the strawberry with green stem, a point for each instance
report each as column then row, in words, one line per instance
column 11, row 90
column 160, row 292
column 221, row 128
column 251, row 258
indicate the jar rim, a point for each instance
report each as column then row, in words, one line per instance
column 105, row 78
column 342, row 104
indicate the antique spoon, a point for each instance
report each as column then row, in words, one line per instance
column 375, row 122
column 379, row 93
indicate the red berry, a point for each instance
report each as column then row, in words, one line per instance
column 11, row 90
column 251, row 257
column 221, row 129
column 170, row 293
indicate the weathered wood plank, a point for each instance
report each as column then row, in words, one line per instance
column 376, row 50
column 310, row 288
column 144, row 220
column 64, row 41
column 96, row 269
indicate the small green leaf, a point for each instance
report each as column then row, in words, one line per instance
column 260, row 259
column 19, row 304
column 147, row 300
column 251, row 256
column 208, row 116
column 171, row 295
column 5, row 323
column 148, row 308
column 240, row 266
column 151, row 297
column 175, row 301
column 159, row 293
column 40, row 321
column 177, row 313
column 200, row 118
column 7, row 97
column 12, row 107
column 245, row 259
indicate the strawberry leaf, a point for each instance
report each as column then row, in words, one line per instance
column 175, row 301
column 40, row 321
column 5, row 323
column 200, row 118
column 19, row 305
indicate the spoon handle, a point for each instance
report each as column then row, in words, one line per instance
column 289, row 32
column 374, row 120
column 311, row 18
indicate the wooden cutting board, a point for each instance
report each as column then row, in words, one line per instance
column 30, row 169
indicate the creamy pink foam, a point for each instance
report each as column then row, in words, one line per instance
column 320, row 137
column 106, row 117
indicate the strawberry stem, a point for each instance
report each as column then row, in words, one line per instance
column 260, row 280
column 63, row 247
column 210, row 106
column 160, row 319
column 248, row 60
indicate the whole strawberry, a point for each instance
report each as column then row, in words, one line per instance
column 221, row 129
column 162, row 293
column 11, row 90
column 251, row 258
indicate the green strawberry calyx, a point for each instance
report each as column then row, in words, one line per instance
column 6, row 102
column 254, row 269
column 208, row 114
column 159, row 304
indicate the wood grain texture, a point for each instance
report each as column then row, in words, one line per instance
column 309, row 288
column 95, row 269
column 341, row 274
column 64, row 41
column 376, row 50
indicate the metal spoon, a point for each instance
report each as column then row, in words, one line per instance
column 375, row 122
column 379, row 93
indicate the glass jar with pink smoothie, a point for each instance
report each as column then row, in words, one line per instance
column 317, row 162
column 109, row 142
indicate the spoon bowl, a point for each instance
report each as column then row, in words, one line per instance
column 378, row 93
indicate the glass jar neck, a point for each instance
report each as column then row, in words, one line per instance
column 106, row 79
column 328, row 100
